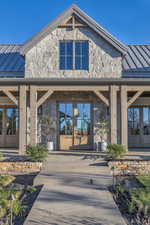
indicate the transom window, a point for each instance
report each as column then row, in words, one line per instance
column 74, row 55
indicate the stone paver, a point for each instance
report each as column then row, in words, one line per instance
column 75, row 193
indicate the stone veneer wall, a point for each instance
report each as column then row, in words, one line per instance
column 43, row 59
column 20, row 167
column 130, row 167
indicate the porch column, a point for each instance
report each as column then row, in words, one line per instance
column 33, row 115
column 113, row 114
column 124, row 116
column 22, row 119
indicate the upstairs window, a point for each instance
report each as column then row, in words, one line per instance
column 74, row 55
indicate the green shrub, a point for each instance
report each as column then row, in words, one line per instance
column 31, row 189
column 6, row 180
column 144, row 180
column 140, row 201
column 5, row 202
column 37, row 153
column 115, row 151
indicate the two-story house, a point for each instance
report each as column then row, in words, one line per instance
column 73, row 70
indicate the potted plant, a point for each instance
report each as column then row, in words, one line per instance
column 101, row 132
column 48, row 128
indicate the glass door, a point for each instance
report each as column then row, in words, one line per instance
column 134, row 127
column 82, row 125
column 65, row 126
column 146, row 126
column 139, row 127
column 11, row 127
column 74, row 126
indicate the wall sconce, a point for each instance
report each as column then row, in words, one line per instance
column 75, row 112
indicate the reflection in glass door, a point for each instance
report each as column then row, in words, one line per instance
column 65, row 125
column 139, row 126
column 9, row 127
column 82, row 121
column 75, row 126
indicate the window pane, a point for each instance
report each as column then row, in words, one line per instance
column 69, row 48
column 62, row 63
column 62, row 48
column 12, row 121
column 85, row 63
column 146, row 121
column 78, row 48
column 134, row 121
column 66, row 55
column 81, row 55
column 78, row 65
column 69, row 63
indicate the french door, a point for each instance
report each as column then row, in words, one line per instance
column 139, row 127
column 9, row 124
column 75, row 126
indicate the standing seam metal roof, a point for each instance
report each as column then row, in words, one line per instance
column 10, row 59
column 136, row 61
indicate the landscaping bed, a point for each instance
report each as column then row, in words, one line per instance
column 17, row 190
column 132, row 195
column 17, row 193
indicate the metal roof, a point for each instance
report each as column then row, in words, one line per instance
column 137, row 61
column 11, row 61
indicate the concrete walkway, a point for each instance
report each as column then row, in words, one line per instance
column 74, row 192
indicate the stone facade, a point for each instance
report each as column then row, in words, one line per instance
column 20, row 167
column 43, row 59
column 130, row 167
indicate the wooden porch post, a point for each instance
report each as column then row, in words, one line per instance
column 33, row 115
column 113, row 114
column 124, row 116
column 22, row 119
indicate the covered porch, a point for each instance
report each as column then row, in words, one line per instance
column 27, row 96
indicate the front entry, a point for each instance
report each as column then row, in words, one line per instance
column 9, row 127
column 75, row 126
column 139, row 127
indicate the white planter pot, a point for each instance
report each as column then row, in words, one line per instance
column 50, row 145
column 103, row 146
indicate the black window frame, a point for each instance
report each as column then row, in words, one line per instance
column 80, row 61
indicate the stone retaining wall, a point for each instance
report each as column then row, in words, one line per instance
column 130, row 167
column 20, row 167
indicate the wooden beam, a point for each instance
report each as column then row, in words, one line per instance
column 33, row 115
column 138, row 93
column 113, row 115
column 65, row 21
column 73, row 88
column 102, row 97
column 22, row 119
column 11, row 96
column 44, row 97
column 9, row 88
column 73, row 22
column 124, row 117
column 138, row 88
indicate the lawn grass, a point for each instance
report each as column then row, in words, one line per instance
column 144, row 180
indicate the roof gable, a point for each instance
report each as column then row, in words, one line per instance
column 73, row 9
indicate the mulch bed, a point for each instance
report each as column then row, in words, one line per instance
column 21, row 182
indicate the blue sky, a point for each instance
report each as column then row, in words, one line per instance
column 127, row 20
